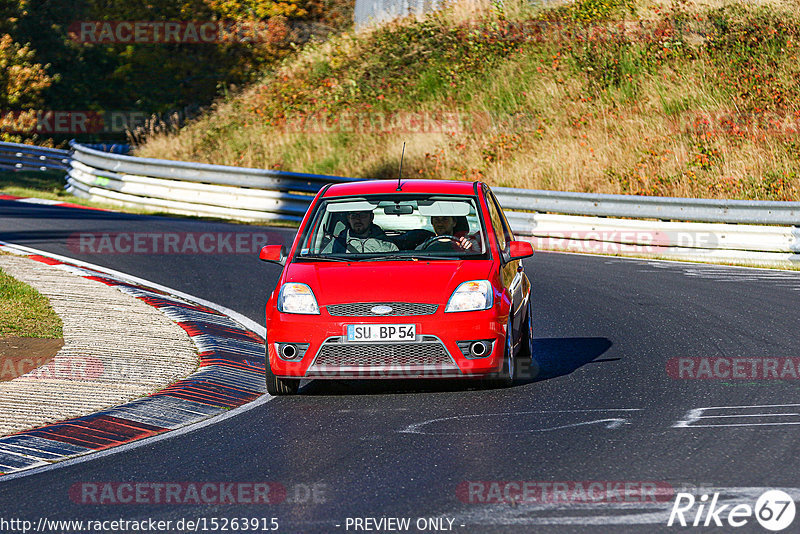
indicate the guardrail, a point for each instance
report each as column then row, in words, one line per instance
column 720, row 230
column 193, row 188
column 644, row 207
column 17, row 157
column 703, row 242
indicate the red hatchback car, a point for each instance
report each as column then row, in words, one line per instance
column 411, row 279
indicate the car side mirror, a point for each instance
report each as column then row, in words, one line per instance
column 273, row 254
column 519, row 250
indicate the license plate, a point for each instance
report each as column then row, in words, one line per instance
column 381, row 332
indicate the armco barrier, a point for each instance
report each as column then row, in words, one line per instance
column 703, row 242
column 193, row 188
column 761, row 233
column 17, row 157
column 202, row 172
column 643, row 207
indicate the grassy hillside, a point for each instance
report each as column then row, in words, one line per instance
column 613, row 96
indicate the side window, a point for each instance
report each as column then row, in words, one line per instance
column 313, row 235
column 499, row 223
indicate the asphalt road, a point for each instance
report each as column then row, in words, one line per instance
column 604, row 407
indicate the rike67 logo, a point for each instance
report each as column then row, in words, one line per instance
column 774, row 510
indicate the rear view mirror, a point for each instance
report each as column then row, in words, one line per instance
column 519, row 250
column 273, row 254
column 398, row 209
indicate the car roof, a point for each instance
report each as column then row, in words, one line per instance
column 376, row 187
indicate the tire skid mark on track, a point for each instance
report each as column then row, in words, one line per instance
column 230, row 375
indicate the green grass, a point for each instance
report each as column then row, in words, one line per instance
column 34, row 183
column 24, row 312
column 48, row 185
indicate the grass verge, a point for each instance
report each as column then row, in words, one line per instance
column 24, row 312
column 49, row 185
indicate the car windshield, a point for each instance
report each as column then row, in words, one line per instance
column 376, row 227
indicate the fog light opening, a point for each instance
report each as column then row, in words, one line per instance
column 289, row 352
column 478, row 349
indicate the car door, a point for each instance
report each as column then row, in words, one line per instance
column 512, row 275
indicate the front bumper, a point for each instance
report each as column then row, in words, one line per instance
column 435, row 353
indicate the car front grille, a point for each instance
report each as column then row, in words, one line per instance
column 383, row 354
column 426, row 357
column 364, row 309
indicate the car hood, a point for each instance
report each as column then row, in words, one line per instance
column 398, row 281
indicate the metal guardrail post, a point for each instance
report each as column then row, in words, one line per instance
column 19, row 157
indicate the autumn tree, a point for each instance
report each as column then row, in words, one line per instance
column 151, row 77
column 22, row 78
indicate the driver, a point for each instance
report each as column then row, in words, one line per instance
column 447, row 225
column 361, row 236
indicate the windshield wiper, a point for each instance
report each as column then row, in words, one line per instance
column 398, row 257
column 412, row 257
column 324, row 257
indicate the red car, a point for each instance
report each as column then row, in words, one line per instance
column 410, row 279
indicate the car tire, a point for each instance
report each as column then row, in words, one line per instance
column 505, row 377
column 276, row 385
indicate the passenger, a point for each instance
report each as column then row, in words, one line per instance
column 361, row 236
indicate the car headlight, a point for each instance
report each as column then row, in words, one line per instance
column 471, row 296
column 297, row 298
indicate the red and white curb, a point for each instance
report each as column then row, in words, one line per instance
column 230, row 376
